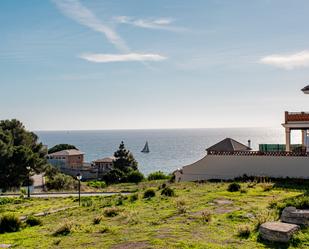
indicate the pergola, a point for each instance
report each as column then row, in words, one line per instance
column 296, row 121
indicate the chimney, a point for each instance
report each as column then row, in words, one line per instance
column 249, row 143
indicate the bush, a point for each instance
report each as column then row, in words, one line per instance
column 133, row 197
column 244, row 231
column 33, row 221
column 149, row 193
column 9, row 224
column 113, row 176
column 167, row 191
column 135, row 176
column 300, row 202
column 64, row 229
column 111, row 212
column 97, row 220
column 97, row 184
column 158, row 175
column 234, row 187
column 61, row 182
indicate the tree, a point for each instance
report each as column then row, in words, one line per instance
column 19, row 149
column 125, row 160
column 60, row 147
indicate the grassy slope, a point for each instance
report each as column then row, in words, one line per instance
column 154, row 223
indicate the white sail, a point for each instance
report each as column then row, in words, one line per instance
column 146, row 148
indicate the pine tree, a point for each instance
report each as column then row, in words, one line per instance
column 125, row 160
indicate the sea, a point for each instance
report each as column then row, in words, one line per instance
column 170, row 149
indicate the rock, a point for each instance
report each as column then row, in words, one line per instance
column 295, row 216
column 223, row 202
column 277, row 231
column 5, row 245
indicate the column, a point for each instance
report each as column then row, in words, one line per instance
column 287, row 139
column 303, row 138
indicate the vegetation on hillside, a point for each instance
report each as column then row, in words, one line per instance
column 196, row 215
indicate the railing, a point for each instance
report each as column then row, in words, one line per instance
column 296, row 116
column 259, row 153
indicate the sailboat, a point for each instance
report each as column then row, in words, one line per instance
column 146, row 148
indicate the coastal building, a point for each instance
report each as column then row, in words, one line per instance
column 104, row 164
column 67, row 158
column 296, row 121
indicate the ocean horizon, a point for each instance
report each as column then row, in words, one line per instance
column 169, row 148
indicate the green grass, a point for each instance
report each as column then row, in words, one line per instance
column 159, row 222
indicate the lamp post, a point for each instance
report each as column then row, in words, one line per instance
column 79, row 177
column 28, row 176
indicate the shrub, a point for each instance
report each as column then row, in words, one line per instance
column 167, row 191
column 97, row 184
column 114, row 176
column 33, row 221
column 64, row 229
column 149, row 193
column 158, row 175
column 244, row 231
column 135, row 176
column 133, row 197
column 9, row 224
column 97, row 220
column 60, row 182
column 111, row 212
column 234, row 187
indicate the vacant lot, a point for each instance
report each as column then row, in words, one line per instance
column 200, row 215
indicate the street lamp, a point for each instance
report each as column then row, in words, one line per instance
column 28, row 176
column 79, row 177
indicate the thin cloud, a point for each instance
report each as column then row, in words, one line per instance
column 79, row 13
column 160, row 23
column 104, row 58
column 289, row 61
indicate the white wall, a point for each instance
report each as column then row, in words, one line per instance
column 229, row 167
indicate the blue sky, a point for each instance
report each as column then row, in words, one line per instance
column 68, row 64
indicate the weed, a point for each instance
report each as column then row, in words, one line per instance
column 133, row 197
column 234, row 187
column 9, row 224
column 111, row 212
column 181, row 206
column 167, row 191
column 149, row 193
column 97, row 220
column 64, row 229
column 206, row 216
column 244, row 231
column 266, row 186
column 33, row 221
